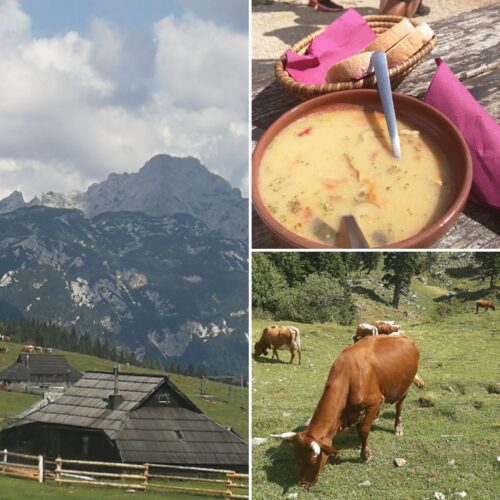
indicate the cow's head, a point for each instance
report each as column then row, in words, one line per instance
column 259, row 349
column 310, row 455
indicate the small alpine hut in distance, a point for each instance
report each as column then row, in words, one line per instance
column 126, row 418
column 39, row 370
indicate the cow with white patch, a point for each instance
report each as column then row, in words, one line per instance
column 364, row 330
column 279, row 338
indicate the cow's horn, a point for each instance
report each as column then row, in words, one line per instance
column 287, row 436
column 315, row 448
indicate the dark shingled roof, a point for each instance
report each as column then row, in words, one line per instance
column 43, row 365
column 85, row 403
column 179, row 434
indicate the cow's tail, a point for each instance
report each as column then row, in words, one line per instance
column 296, row 336
column 418, row 381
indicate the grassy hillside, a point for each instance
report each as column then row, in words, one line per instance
column 226, row 413
column 454, row 418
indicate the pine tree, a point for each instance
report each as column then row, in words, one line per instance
column 489, row 265
column 401, row 267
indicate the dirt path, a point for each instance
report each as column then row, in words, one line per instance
column 272, row 20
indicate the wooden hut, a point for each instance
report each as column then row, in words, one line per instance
column 39, row 370
column 127, row 418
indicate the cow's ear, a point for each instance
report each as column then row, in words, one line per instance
column 329, row 450
column 286, row 436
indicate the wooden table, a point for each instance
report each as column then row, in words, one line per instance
column 469, row 43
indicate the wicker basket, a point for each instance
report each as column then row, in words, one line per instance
column 397, row 73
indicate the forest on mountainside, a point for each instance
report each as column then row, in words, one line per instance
column 317, row 287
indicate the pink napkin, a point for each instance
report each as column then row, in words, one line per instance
column 482, row 134
column 345, row 37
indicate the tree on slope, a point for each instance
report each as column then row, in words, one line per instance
column 400, row 268
column 489, row 263
column 267, row 281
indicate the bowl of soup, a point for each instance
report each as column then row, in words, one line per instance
column 331, row 156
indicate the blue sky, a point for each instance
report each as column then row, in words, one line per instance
column 52, row 17
column 91, row 87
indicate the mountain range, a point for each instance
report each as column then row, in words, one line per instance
column 155, row 260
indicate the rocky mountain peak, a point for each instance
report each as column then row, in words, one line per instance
column 12, row 202
column 165, row 185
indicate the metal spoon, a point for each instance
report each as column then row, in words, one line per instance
column 379, row 61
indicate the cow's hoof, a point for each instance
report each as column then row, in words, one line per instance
column 365, row 456
column 398, row 431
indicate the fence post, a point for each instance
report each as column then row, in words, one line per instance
column 229, row 492
column 4, row 459
column 146, row 474
column 58, row 462
column 40, row 469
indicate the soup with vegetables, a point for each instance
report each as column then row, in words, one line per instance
column 340, row 162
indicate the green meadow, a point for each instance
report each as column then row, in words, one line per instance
column 451, row 427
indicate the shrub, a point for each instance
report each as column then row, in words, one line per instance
column 320, row 298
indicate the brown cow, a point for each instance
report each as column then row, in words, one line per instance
column 279, row 337
column 376, row 370
column 3, row 349
column 386, row 327
column 485, row 304
column 28, row 348
column 5, row 338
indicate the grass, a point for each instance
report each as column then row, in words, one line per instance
column 14, row 489
column 226, row 413
column 455, row 419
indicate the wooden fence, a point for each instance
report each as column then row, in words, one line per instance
column 229, row 484
column 78, row 473
column 20, row 465
column 202, row 481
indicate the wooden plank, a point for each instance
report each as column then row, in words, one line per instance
column 182, row 467
column 186, row 478
column 466, row 42
column 101, row 483
column 114, row 475
column 20, row 475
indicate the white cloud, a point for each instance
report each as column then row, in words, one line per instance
column 74, row 108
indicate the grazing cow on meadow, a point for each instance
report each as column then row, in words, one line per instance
column 380, row 369
column 364, row 330
column 28, row 348
column 386, row 327
column 5, row 338
column 279, row 337
column 46, row 349
column 3, row 349
column 486, row 304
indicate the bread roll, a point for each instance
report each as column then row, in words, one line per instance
column 390, row 37
column 350, row 68
column 403, row 50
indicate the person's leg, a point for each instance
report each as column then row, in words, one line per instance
column 405, row 8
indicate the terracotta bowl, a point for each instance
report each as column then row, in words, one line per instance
column 409, row 109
